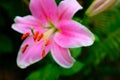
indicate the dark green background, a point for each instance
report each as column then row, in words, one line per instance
column 100, row 61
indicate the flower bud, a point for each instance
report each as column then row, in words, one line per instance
column 99, row 6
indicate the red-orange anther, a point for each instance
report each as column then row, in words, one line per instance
column 47, row 43
column 39, row 37
column 36, row 35
column 43, row 53
column 24, row 48
column 25, row 35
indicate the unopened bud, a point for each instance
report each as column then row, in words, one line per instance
column 99, row 6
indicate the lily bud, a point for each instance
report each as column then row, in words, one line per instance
column 99, row 6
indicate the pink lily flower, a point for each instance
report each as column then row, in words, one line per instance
column 50, row 28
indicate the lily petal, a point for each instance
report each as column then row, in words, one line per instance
column 43, row 9
column 24, row 24
column 72, row 34
column 32, row 54
column 62, row 56
column 67, row 8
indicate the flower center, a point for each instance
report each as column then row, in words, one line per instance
column 37, row 36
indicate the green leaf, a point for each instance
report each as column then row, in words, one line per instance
column 76, row 68
column 75, row 52
column 58, row 1
column 47, row 73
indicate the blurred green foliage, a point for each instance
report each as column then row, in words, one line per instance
column 100, row 61
column 5, row 44
column 107, row 28
column 49, row 72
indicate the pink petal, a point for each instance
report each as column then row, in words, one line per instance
column 32, row 54
column 43, row 9
column 62, row 56
column 23, row 24
column 73, row 34
column 68, row 8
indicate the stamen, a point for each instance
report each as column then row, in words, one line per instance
column 24, row 48
column 39, row 37
column 36, row 35
column 25, row 35
column 43, row 53
column 47, row 43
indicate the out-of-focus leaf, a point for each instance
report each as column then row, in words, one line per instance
column 107, row 28
column 107, row 22
column 77, row 19
column 109, row 47
column 5, row 44
column 47, row 73
column 75, row 52
column 87, row 70
column 76, row 68
column 26, row 2
column 58, row 1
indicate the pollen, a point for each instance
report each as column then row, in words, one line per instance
column 24, row 48
column 40, row 37
column 36, row 35
column 25, row 35
column 47, row 43
column 43, row 53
